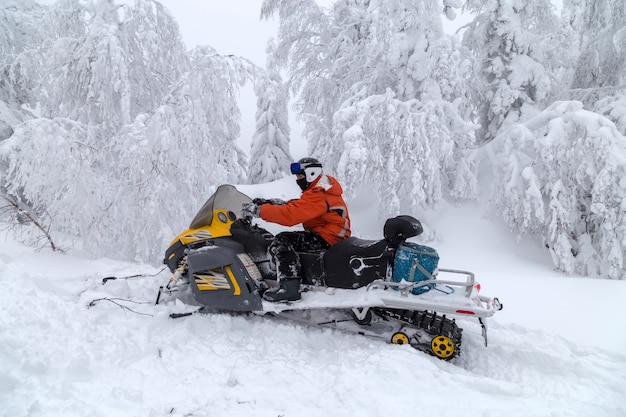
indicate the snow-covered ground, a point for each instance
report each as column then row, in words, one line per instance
column 71, row 346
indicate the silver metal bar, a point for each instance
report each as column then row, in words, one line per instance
column 405, row 288
column 470, row 282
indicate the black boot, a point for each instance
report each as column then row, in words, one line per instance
column 288, row 290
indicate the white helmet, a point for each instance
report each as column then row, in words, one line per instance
column 310, row 167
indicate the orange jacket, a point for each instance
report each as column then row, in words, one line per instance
column 320, row 209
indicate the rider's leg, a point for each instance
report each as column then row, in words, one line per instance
column 284, row 250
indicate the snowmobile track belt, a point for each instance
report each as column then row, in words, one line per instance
column 429, row 322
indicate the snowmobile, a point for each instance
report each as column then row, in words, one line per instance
column 390, row 288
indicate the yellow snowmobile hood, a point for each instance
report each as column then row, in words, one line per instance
column 219, row 228
column 212, row 221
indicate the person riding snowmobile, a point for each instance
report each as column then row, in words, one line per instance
column 323, row 214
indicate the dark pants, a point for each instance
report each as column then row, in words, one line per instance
column 285, row 247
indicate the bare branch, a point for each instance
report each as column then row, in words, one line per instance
column 122, row 306
column 13, row 205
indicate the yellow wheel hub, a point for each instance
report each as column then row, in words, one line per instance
column 399, row 338
column 442, row 346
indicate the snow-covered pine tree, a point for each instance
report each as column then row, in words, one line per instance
column 56, row 166
column 89, row 81
column 564, row 179
column 599, row 79
column 169, row 161
column 554, row 170
column 145, row 132
column 122, row 65
column 269, row 150
column 20, row 36
column 600, row 26
column 18, row 24
column 65, row 19
column 513, row 41
column 302, row 48
column 19, row 21
column 381, row 90
column 155, row 51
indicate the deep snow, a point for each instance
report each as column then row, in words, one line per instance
column 557, row 348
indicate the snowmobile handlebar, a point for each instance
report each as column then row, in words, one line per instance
column 274, row 201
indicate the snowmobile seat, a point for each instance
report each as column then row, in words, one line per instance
column 398, row 229
column 354, row 263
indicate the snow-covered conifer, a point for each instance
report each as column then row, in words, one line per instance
column 121, row 66
column 145, row 123
column 600, row 27
column 269, row 151
column 302, row 48
column 92, row 86
column 613, row 107
column 65, row 19
column 510, row 38
column 19, row 21
column 79, row 194
column 381, row 87
column 169, row 161
column 599, row 77
column 156, row 54
column 562, row 177
column 550, row 164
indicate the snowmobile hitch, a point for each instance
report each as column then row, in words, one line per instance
column 176, row 275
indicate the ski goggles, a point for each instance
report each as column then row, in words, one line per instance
column 298, row 168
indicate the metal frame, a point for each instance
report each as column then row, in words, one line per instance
column 406, row 288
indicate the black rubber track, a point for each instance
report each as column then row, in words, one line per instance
column 427, row 322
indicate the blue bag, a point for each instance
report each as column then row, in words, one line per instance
column 414, row 263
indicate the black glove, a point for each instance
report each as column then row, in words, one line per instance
column 275, row 201
column 250, row 211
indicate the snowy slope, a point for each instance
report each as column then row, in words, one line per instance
column 557, row 348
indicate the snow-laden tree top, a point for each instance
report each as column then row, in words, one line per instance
column 133, row 131
column 118, row 133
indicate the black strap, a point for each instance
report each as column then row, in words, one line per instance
column 337, row 210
